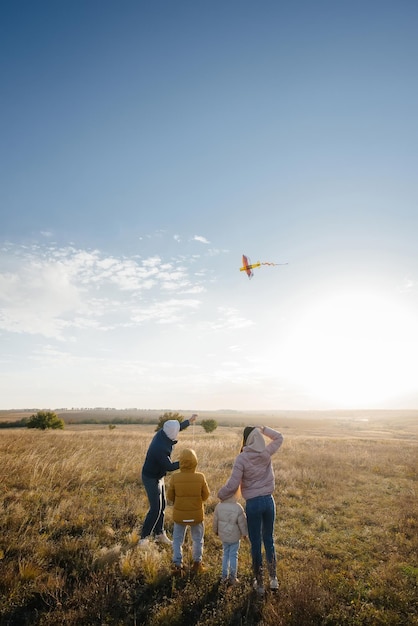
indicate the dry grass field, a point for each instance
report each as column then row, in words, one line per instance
column 346, row 530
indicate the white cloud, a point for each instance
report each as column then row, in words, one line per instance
column 201, row 239
column 48, row 290
column 408, row 285
column 36, row 297
column 228, row 319
column 170, row 311
column 216, row 251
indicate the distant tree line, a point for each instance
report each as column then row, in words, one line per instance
column 44, row 420
column 23, row 423
column 112, row 420
column 208, row 425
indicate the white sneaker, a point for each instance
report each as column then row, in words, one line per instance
column 274, row 583
column 259, row 587
column 142, row 543
column 162, row 538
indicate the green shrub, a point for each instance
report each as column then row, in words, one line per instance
column 44, row 420
column 168, row 415
column 209, row 425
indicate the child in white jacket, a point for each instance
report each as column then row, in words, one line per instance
column 230, row 524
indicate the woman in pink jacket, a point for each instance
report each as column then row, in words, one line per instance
column 253, row 472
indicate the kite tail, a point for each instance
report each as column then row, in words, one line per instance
column 266, row 263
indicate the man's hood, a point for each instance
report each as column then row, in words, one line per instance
column 171, row 429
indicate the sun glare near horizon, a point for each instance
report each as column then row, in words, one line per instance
column 353, row 350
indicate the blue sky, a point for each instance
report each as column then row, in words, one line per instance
column 147, row 145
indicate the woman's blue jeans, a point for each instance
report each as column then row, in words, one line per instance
column 261, row 513
column 154, row 520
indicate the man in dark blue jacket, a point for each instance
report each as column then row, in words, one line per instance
column 157, row 463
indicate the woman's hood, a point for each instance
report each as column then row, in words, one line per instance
column 256, row 441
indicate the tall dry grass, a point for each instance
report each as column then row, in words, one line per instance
column 72, row 504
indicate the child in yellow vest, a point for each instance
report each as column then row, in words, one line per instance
column 187, row 491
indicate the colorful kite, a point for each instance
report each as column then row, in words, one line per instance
column 248, row 267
